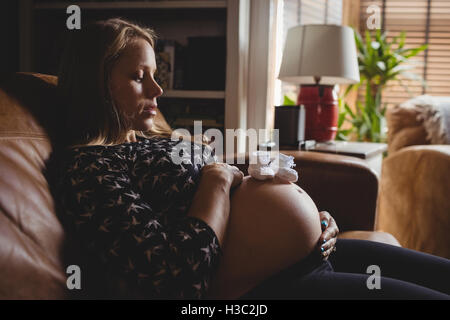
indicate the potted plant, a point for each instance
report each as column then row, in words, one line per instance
column 380, row 61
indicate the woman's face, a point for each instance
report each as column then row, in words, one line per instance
column 133, row 87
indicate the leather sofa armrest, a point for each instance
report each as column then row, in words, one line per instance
column 342, row 185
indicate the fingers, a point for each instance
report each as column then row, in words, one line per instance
column 330, row 232
column 238, row 176
column 323, row 224
column 231, row 174
column 333, row 227
column 329, row 226
column 324, row 219
column 327, row 248
column 327, row 239
column 326, row 254
column 328, row 245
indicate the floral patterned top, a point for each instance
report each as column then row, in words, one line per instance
column 127, row 205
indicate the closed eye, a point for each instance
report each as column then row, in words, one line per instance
column 140, row 79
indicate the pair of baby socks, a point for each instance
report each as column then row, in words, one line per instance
column 268, row 165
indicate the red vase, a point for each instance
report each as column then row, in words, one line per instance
column 321, row 111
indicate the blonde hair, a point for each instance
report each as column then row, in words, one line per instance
column 91, row 116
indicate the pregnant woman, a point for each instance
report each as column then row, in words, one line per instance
column 155, row 229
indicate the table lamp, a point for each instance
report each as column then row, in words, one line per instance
column 318, row 57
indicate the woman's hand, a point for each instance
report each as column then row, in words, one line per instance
column 231, row 175
column 330, row 230
column 211, row 202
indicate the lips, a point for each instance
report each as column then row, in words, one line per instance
column 149, row 109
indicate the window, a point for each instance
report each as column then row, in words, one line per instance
column 425, row 22
column 301, row 12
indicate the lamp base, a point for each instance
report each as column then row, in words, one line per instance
column 321, row 111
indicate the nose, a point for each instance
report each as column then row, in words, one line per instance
column 153, row 89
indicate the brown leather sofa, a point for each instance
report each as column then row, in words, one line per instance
column 33, row 252
column 414, row 203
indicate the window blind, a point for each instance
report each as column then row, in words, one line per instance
column 301, row 12
column 425, row 22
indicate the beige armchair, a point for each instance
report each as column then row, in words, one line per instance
column 414, row 195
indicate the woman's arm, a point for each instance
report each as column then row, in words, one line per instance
column 211, row 202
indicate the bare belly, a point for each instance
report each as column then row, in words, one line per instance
column 273, row 224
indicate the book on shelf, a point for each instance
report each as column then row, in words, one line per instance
column 164, row 69
column 201, row 65
column 170, row 64
column 165, row 60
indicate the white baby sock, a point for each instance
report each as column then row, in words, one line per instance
column 266, row 167
column 261, row 169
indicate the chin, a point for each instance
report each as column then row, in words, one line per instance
column 145, row 125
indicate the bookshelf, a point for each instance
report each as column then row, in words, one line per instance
column 223, row 106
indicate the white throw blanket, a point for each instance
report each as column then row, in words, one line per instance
column 435, row 114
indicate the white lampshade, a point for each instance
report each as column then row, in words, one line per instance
column 325, row 51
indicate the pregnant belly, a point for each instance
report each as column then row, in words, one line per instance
column 273, row 224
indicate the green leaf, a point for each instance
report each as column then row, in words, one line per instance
column 347, row 108
column 341, row 119
column 362, row 132
column 415, row 51
column 359, row 43
column 368, row 42
column 288, row 102
column 402, row 39
column 349, row 88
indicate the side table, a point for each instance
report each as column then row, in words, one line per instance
column 371, row 152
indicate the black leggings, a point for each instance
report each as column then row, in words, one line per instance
column 405, row 274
